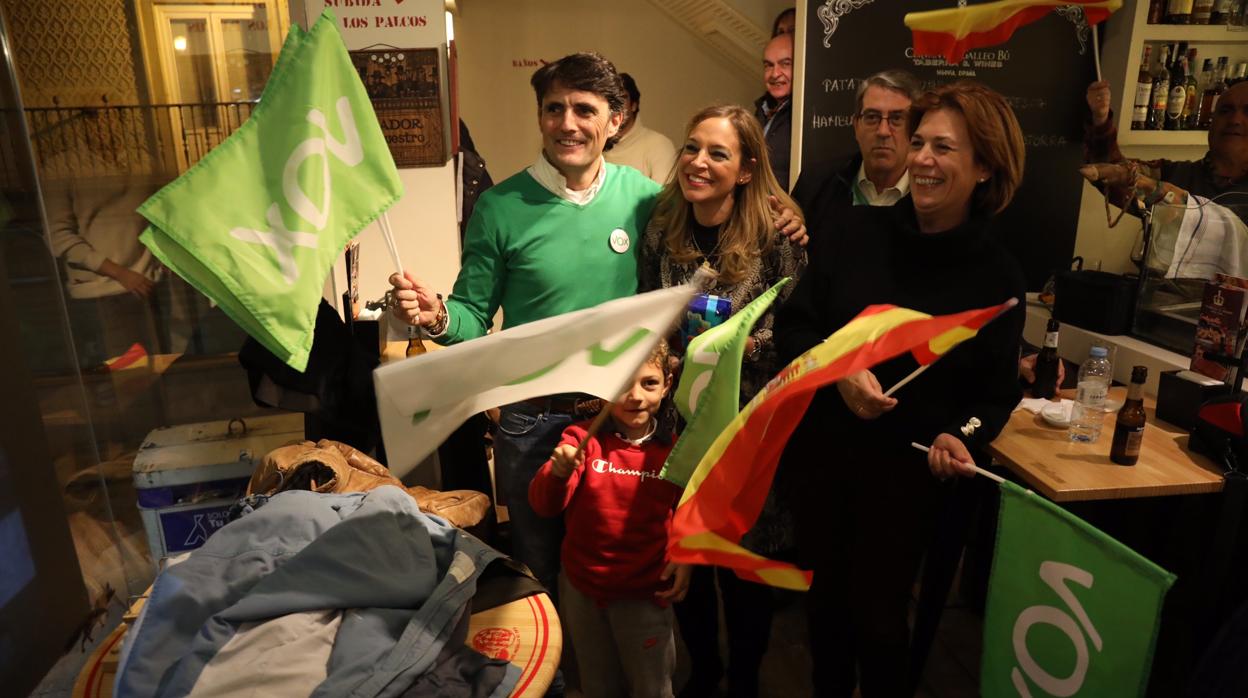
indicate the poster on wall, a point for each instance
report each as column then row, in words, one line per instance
column 405, row 88
column 1043, row 70
column 398, row 47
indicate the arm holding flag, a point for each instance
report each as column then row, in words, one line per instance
column 469, row 312
column 1119, row 178
column 555, row 483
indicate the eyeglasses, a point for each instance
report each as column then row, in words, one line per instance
column 872, row 118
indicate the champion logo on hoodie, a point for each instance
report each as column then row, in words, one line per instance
column 608, row 468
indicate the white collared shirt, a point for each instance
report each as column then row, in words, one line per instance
column 889, row 196
column 553, row 180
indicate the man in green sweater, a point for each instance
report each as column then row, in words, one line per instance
column 560, row 236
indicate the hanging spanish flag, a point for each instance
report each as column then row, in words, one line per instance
column 955, row 31
column 726, row 492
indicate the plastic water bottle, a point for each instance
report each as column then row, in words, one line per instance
column 1090, row 395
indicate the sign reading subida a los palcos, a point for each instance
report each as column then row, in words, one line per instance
column 258, row 222
column 1071, row 611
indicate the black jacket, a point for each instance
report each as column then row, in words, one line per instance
column 779, row 136
column 875, row 255
column 825, row 189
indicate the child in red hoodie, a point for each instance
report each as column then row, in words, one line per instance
column 616, row 586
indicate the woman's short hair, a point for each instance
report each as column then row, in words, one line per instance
column 587, row 72
column 995, row 137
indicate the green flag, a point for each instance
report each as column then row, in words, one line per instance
column 1071, row 611
column 709, row 393
column 258, row 222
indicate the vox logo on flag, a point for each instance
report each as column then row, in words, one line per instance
column 1070, row 611
column 256, row 224
column 1072, row 621
column 349, row 151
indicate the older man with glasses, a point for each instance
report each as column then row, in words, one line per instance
column 876, row 174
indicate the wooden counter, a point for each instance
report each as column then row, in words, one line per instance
column 1065, row 471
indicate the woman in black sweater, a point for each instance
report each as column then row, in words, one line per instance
column 869, row 502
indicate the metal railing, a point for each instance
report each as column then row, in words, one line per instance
column 162, row 139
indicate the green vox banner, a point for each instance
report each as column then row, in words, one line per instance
column 1071, row 611
column 257, row 223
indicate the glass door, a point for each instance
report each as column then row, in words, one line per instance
column 214, row 61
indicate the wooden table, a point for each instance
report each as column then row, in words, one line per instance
column 1065, row 471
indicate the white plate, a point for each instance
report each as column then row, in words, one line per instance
column 1057, row 413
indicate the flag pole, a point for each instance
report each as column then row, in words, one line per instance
column 384, row 223
column 914, row 374
column 594, row 426
column 1096, row 52
column 978, row 470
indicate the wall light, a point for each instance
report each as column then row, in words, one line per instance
column 179, row 43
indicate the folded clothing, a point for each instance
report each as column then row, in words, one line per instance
column 332, row 466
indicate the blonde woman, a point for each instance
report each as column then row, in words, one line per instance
column 717, row 208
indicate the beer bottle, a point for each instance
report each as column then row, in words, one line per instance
column 1046, row 364
column 1129, row 429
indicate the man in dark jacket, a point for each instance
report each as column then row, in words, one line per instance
column 875, row 175
column 775, row 109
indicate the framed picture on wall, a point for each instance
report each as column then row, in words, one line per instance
column 405, row 88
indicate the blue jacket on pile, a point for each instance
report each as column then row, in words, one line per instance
column 386, row 582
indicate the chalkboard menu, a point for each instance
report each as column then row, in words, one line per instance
column 1043, row 70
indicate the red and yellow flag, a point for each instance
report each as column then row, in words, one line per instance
column 726, row 492
column 955, row 31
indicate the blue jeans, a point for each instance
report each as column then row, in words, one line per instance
column 527, row 434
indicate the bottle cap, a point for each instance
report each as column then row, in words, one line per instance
column 1098, row 352
column 1139, row 374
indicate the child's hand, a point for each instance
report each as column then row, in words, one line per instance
column 680, row 585
column 564, row 460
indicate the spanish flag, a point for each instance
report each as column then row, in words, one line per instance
column 726, row 492
column 955, row 31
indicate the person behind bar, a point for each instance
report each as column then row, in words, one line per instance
column 867, row 504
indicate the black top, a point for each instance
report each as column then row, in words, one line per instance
column 823, row 190
column 874, row 255
column 777, row 122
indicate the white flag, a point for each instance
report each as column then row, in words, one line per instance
column 597, row 350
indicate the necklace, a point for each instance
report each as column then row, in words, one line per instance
column 706, row 231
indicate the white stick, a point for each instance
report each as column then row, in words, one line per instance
column 979, row 470
column 907, row 379
column 1096, row 52
column 383, row 222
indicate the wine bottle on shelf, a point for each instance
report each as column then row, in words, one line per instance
column 1221, row 11
column 1143, row 92
column 1191, row 94
column 1202, row 87
column 1178, row 93
column 1209, row 98
column 1046, row 364
column 1129, row 428
column 1161, row 91
column 1241, row 70
column 1156, row 11
column 1179, row 12
column 1202, row 10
